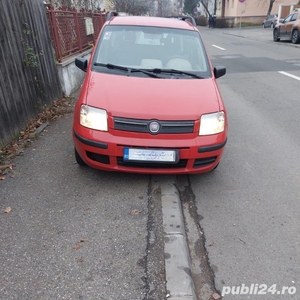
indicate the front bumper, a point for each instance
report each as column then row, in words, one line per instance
column 104, row 151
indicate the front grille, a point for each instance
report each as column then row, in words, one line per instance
column 203, row 162
column 151, row 165
column 166, row 127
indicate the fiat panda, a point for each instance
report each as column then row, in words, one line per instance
column 150, row 102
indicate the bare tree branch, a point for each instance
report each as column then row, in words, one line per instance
column 205, row 7
column 134, row 7
column 268, row 3
column 78, row 4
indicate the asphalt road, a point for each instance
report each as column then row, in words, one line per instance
column 249, row 208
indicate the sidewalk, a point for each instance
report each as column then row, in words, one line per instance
column 258, row 34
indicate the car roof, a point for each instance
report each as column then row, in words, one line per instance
column 151, row 21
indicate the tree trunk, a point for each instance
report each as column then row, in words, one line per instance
column 223, row 9
column 270, row 7
column 205, row 7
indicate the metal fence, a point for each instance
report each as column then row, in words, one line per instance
column 73, row 31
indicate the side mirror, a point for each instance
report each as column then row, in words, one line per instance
column 219, row 71
column 81, row 63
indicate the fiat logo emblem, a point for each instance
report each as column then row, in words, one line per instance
column 154, row 127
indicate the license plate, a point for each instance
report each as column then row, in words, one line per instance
column 150, row 155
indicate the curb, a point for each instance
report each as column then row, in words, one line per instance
column 180, row 285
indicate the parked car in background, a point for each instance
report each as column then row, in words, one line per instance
column 150, row 102
column 270, row 21
column 288, row 28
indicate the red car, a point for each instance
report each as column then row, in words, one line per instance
column 150, row 102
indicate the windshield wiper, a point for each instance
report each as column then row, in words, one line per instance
column 111, row 66
column 173, row 71
column 148, row 72
column 126, row 69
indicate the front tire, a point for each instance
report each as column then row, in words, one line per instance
column 295, row 37
column 78, row 159
column 276, row 35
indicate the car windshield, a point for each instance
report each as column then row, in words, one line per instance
column 151, row 48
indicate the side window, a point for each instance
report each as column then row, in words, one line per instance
column 294, row 17
column 288, row 19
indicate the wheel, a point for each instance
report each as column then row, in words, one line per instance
column 263, row 25
column 295, row 37
column 78, row 159
column 276, row 35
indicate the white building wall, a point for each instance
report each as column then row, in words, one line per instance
column 251, row 8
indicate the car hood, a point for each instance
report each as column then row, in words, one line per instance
column 147, row 98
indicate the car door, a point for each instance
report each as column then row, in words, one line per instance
column 290, row 25
column 285, row 25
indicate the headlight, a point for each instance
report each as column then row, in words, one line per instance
column 93, row 118
column 212, row 123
